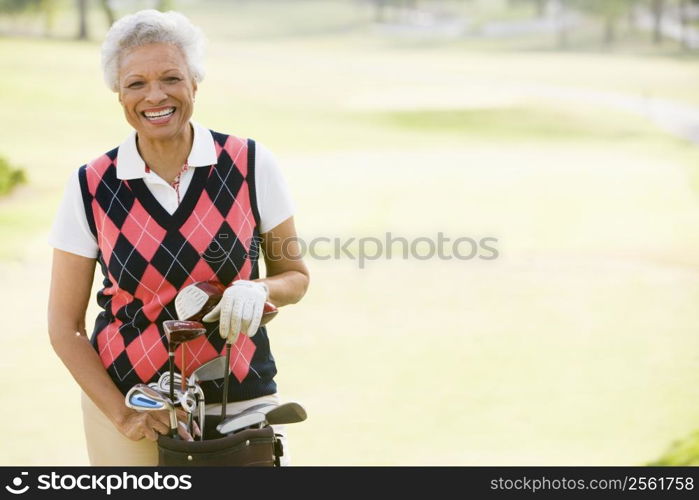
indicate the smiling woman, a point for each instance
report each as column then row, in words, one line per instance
column 151, row 212
column 157, row 94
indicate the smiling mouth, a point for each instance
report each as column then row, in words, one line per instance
column 158, row 115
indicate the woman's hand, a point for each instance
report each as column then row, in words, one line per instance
column 239, row 310
column 149, row 424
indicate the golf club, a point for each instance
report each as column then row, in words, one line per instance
column 224, row 396
column 241, row 421
column 260, row 408
column 268, row 313
column 211, row 370
column 287, row 413
column 178, row 332
column 197, row 299
column 186, row 400
column 143, row 398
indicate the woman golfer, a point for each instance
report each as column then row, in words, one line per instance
column 174, row 204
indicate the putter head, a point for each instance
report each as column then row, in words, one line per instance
column 178, row 331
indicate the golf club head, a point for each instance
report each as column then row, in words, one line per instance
column 196, row 300
column 141, row 402
column 268, row 313
column 185, row 399
column 144, row 398
column 211, row 370
column 178, row 331
column 286, row 413
column 241, row 421
column 188, row 402
column 164, row 381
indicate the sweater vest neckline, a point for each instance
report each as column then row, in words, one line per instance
column 183, row 210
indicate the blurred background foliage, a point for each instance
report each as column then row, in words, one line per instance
column 675, row 19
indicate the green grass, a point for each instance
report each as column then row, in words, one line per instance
column 522, row 122
column 10, row 177
column 681, row 453
column 577, row 346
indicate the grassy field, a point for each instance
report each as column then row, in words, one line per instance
column 577, row 346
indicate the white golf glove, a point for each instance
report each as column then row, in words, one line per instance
column 239, row 310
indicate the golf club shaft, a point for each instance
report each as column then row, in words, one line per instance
column 183, row 386
column 224, row 401
column 171, row 360
column 173, row 422
column 201, row 405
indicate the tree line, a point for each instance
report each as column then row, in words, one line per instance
column 48, row 9
column 610, row 13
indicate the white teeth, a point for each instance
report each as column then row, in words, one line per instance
column 159, row 114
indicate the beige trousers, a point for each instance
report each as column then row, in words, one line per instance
column 106, row 446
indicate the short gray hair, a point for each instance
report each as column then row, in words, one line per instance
column 151, row 26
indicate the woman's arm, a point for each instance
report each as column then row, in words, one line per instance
column 71, row 284
column 287, row 274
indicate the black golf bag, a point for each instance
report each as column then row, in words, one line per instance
column 252, row 447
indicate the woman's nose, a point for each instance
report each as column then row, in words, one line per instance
column 155, row 94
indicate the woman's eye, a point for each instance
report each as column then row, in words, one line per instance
column 134, row 85
column 172, row 79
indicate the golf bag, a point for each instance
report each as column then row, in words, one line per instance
column 247, row 448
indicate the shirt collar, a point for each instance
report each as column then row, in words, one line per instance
column 130, row 165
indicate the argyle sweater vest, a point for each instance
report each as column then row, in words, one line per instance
column 147, row 255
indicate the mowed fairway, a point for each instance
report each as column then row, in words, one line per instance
column 577, row 346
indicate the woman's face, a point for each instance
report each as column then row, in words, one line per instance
column 156, row 90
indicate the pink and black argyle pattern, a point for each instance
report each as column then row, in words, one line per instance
column 147, row 255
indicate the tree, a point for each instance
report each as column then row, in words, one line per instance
column 109, row 12
column 165, row 5
column 540, row 5
column 48, row 8
column 82, row 19
column 17, row 6
column 657, row 8
column 379, row 10
column 45, row 8
column 610, row 11
column 560, row 14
